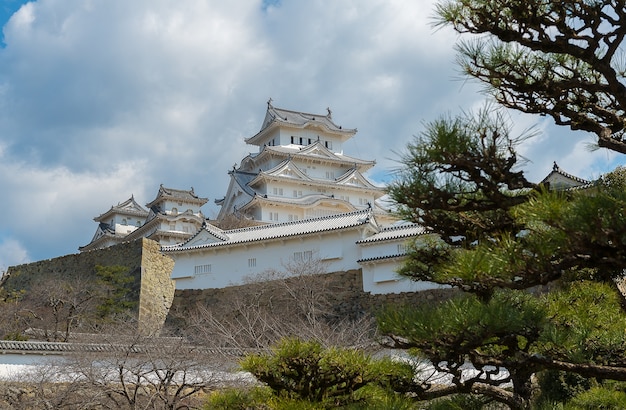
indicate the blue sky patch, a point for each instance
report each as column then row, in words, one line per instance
column 7, row 9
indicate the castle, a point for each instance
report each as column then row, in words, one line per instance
column 303, row 199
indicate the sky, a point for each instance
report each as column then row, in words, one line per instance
column 104, row 99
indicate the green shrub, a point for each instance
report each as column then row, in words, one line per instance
column 598, row 398
column 303, row 370
column 558, row 386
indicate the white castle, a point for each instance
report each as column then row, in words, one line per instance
column 307, row 201
column 299, row 172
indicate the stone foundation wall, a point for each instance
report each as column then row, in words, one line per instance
column 157, row 287
column 344, row 291
column 152, row 287
column 157, row 296
column 126, row 254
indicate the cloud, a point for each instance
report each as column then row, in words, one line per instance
column 107, row 98
column 50, row 209
column 12, row 253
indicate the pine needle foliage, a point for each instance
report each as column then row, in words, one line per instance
column 304, row 370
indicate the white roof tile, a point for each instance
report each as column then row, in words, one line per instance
column 396, row 232
column 282, row 230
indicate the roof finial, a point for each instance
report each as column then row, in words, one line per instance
column 269, row 103
column 555, row 167
column 330, row 113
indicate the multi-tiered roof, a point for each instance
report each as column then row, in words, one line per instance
column 172, row 217
column 299, row 171
column 116, row 224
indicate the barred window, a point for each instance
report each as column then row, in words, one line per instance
column 202, row 269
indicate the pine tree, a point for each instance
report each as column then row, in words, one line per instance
column 541, row 271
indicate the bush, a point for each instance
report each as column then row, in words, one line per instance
column 598, row 398
column 303, row 370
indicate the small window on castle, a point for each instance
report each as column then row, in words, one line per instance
column 301, row 141
column 401, row 248
column 138, row 223
column 174, row 211
column 309, row 141
column 297, row 256
column 293, row 139
column 202, row 269
column 124, row 222
column 252, row 263
column 172, row 227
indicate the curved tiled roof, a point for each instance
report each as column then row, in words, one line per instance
column 343, row 180
column 396, row 232
column 243, row 180
column 36, row 347
column 129, row 207
column 579, row 183
column 303, row 152
column 305, row 200
column 282, row 230
column 298, row 119
column 381, row 258
column 277, row 172
column 338, row 183
column 183, row 195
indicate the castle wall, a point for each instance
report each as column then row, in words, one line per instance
column 344, row 291
column 152, row 287
column 157, row 287
column 231, row 266
column 126, row 254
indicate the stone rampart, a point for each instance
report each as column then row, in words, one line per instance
column 343, row 291
column 152, row 287
column 157, row 287
column 156, row 293
column 127, row 254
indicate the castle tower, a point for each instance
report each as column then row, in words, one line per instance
column 174, row 216
column 299, row 172
column 116, row 224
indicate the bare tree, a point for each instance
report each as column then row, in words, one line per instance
column 296, row 301
column 59, row 306
column 128, row 371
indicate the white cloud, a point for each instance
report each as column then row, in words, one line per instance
column 11, row 253
column 52, row 208
column 105, row 98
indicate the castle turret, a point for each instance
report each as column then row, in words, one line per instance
column 299, row 172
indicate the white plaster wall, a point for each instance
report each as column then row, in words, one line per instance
column 381, row 278
column 124, row 229
column 313, row 134
column 231, row 265
column 384, row 248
